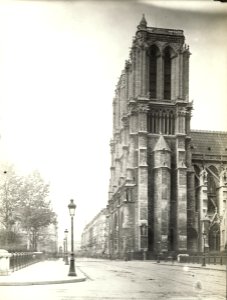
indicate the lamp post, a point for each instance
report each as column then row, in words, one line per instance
column 72, row 208
column 66, row 247
column 63, row 254
column 158, row 251
column 204, row 254
column 205, row 224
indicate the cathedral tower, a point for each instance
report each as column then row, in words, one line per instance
column 151, row 154
column 168, row 183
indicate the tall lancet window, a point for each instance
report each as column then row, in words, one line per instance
column 167, row 74
column 153, row 72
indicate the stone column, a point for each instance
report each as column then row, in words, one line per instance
column 180, row 78
column 132, row 142
column 192, row 245
column 203, row 199
column 185, row 88
column 162, row 189
column 142, row 200
column 222, row 193
column 181, row 195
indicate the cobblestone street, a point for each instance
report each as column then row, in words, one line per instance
column 129, row 280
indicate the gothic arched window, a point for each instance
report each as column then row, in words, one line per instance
column 153, row 71
column 167, row 74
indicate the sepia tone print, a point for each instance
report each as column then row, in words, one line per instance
column 113, row 150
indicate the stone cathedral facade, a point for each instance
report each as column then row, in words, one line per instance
column 168, row 183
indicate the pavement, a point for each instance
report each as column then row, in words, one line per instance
column 40, row 273
column 56, row 272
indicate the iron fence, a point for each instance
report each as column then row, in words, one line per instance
column 19, row 260
column 215, row 260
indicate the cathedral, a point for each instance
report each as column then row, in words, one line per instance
column 168, row 183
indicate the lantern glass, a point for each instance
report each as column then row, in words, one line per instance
column 72, row 208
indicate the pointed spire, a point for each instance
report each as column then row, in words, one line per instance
column 143, row 23
column 161, row 144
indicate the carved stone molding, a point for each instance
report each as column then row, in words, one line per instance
column 223, row 177
column 203, row 177
column 142, row 108
column 182, row 111
column 125, row 121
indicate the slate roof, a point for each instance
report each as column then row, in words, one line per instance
column 209, row 142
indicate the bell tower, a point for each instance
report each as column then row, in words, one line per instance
column 161, row 73
column 151, row 156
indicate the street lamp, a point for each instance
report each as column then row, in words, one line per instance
column 66, row 247
column 72, row 208
column 158, row 251
column 205, row 223
column 204, row 254
column 63, row 255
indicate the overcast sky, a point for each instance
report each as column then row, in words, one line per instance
column 59, row 65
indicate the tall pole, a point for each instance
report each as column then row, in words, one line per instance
column 205, row 234
column 66, row 247
column 64, row 250
column 158, row 252
column 72, row 271
column 204, row 254
column 72, row 208
column 72, row 237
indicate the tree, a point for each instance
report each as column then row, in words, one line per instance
column 10, row 185
column 35, row 212
column 24, row 207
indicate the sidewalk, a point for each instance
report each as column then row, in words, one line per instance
column 44, row 272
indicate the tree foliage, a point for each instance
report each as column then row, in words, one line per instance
column 10, row 185
column 35, row 208
column 24, row 204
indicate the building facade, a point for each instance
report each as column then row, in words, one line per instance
column 168, row 183
column 94, row 239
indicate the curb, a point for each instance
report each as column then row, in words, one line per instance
column 192, row 266
column 24, row 283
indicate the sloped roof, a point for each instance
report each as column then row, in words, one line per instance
column 209, row 142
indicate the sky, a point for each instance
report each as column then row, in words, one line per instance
column 59, row 65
